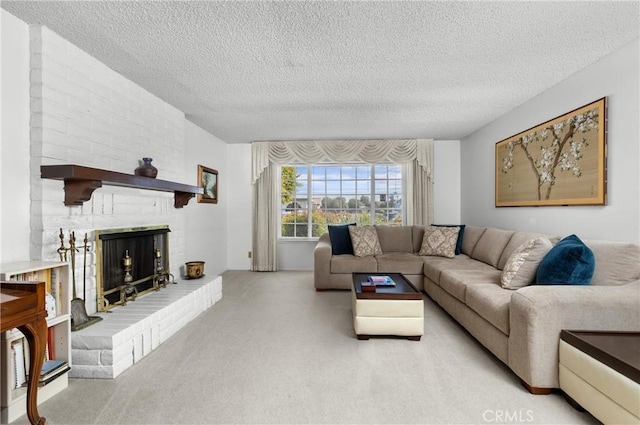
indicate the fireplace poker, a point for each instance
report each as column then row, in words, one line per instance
column 79, row 314
column 85, row 248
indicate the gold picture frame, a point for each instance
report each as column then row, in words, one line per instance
column 559, row 162
column 208, row 180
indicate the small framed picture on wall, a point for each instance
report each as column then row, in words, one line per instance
column 208, row 180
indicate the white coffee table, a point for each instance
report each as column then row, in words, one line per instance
column 397, row 310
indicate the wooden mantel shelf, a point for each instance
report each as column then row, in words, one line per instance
column 80, row 182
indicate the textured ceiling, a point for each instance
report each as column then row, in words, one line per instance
column 283, row 70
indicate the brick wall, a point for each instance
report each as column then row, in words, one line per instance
column 83, row 112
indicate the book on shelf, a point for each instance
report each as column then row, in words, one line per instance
column 33, row 276
column 56, row 289
column 381, row 281
column 54, row 375
column 45, row 276
column 52, row 369
column 18, row 359
column 50, row 366
column 50, row 353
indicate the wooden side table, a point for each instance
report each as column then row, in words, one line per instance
column 22, row 306
column 600, row 371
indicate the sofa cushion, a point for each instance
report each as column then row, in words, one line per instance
column 455, row 282
column 418, row 234
column 521, row 268
column 340, row 239
column 365, row 241
column 570, row 262
column 433, row 266
column 491, row 302
column 471, row 237
column 395, row 238
column 460, row 235
column 516, row 241
column 617, row 263
column 399, row 262
column 440, row 241
column 352, row 264
column 491, row 245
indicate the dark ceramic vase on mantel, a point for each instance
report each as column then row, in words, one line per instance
column 146, row 169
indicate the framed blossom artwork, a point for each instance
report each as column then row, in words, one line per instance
column 208, row 180
column 559, row 162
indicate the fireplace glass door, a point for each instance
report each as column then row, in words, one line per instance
column 130, row 263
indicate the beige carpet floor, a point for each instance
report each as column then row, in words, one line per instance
column 275, row 351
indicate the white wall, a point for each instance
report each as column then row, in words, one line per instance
column 446, row 181
column 14, row 151
column 206, row 229
column 239, row 208
column 616, row 77
column 295, row 255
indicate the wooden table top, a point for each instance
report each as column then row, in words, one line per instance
column 403, row 290
column 618, row 350
column 18, row 307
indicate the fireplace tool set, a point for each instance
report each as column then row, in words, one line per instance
column 79, row 317
column 125, row 269
column 128, row 291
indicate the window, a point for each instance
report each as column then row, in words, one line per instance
column 316, row 195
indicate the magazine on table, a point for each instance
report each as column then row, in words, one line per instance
column 381, row 281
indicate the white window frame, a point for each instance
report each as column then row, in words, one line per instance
column 309, row 190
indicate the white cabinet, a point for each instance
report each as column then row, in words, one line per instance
column 13, row 346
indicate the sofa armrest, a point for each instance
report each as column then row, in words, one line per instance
column 538, row 313
column 322, row 262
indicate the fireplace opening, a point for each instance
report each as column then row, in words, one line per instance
column 131, row 262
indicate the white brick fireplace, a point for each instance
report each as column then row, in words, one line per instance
column 127, row 334
column 84, row 113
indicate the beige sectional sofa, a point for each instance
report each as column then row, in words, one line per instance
column 521, row 327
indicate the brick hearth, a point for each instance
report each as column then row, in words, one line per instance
column 127, row 334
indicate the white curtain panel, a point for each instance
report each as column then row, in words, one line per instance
column 417, row 154
column 265, row 221
column 419, row 194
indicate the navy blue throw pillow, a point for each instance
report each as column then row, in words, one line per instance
column 460, row 235
column 570, row 262
column 340, row 239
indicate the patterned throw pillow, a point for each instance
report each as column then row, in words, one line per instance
column 521, row 267
column 439, row 241
column 460, row 234
column 365, row 241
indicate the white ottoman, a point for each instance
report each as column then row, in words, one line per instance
column 398, row 310
column 600, row 371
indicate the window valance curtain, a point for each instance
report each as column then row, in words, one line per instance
column 341, row 151
column 416, row 154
